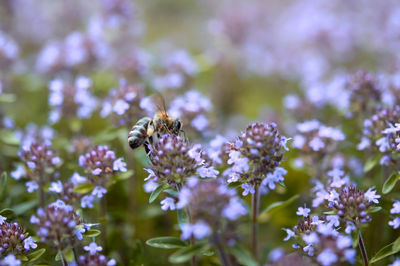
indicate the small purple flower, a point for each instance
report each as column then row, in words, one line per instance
column 87, row 201
column 234, row 210
column 99, row 191
column 2, row 219
column 29, row 243
column 168, row 203
column 96, row 171
column 120, row 107
column 327, row 257
column 93, row 248
column 31, row 165
column 32, row 186
column 18, row 172
column 396, row 207
column 119, row 165
column 10, row 260
column 290, row 234
column 248, row 188
column 56, row 187
column 303, row 211
column 371, row 195
column 395, row 223
column 344, row 242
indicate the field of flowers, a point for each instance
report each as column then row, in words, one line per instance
column 279, row 141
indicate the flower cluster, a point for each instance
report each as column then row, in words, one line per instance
column 14, row 238
column 255, row 158
column 100, row 163
column 66, row 190
column 57, row 225
column 173, row 160
column 192, row 108
column 320, row 240
column 122, row 104
column 10, row 260
column 365, row 93
column 40, row 162
column 94, row 258
column 212, row 207
column 71, row 100
column 176, row 70
column 352, row 204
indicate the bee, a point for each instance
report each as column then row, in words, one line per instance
column 144, row 131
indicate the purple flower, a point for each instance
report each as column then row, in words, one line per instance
column 311, row 239
column 92, row 248
column 200, row 122
column 10, row 260
column 29, row 243
column 119, row 165
column 96, row 171
column 99, row 191
column 303, row 211
column 168, row 203
column 395, row 223
column 32, row 186
column 18, row 173
column 56, row 187
column 87, row 201
column 2, row 219
column 248, row 188
column 371, row 195
column 120, row 107
column 327, row 257
column 290, row 234
column 199, row 230
column 344, row 242
column 396, row 207
column 234, row 210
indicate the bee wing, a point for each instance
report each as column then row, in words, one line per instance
column 159, row 102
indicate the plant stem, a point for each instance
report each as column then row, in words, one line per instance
column 362, row 248
column 104, row 222
column 221, row 253
column 64, row 262
column 42, row 200
column 193, row 261
column 75, row 256
column 254, row 225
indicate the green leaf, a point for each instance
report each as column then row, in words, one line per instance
column 182, row 217
column 281, row 183
column 275, row 207
column 333, row 212
column 36, row 254
column 154, row 195
column 7, row 212
column 374, row 209
column 172, row 192
column 3, row 183
column 8, row 137
column 24, row 207
column 390, row 183
column 83, row 188
column 371, row 163
column 166, row 242
column 91, row 233
column 242, row 255
column 7, row 98
column 123, row 176
column 386, row 251
column 186, row 253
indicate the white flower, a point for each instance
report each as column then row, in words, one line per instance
column 2, row 219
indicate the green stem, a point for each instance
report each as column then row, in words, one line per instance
column 76, row 256
column 254, row 225
column 63, row 261
column 362, row 248
column 104, row 222
column 221, row 253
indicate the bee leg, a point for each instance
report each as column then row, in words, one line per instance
column 184, row 135
column 150, row 129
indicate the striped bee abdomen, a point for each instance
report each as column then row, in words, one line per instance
column 138, row 135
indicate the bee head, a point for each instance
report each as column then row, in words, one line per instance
column 176, row 127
